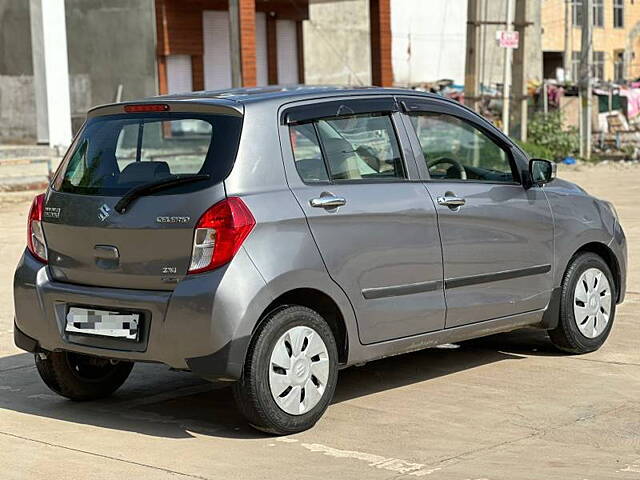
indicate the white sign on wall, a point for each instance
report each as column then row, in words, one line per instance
column 507, row 38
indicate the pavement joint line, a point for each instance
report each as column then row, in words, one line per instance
column 537, row 432
column 122, row 460
column 610, row 362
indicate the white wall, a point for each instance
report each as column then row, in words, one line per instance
column 217, row 52
column 437, row 29
column 337, row 43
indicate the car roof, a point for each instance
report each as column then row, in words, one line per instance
column 236, row 98
column 287, row 93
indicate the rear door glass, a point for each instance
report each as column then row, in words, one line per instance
column 354, row 148
column 116, row 153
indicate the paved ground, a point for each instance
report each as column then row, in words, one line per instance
column 505, row 407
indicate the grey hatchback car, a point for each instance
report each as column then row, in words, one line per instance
column 272, row 236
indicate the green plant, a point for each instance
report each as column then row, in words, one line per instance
column 547, row 134
column 536, row 151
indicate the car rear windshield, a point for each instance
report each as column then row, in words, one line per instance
column 116, row 153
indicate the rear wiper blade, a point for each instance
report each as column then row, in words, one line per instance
column 148, row 188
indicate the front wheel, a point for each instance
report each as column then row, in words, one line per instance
column 81, row 377
column 290, row 372
column 587, row 306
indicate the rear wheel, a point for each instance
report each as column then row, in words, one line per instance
column 587, row 306
column 81, row 377
column 290, row 372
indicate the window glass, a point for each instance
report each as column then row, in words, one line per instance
column 455, row 149
column 598, row 13
column 361, row 147
column 307, row 153
column 182, row 144
column 117, row 153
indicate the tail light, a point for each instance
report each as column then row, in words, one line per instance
column 35, row 235
column 219, row 234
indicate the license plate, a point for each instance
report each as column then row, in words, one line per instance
column 103, row 323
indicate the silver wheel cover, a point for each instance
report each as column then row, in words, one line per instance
column 298, row 370
column 592, row 302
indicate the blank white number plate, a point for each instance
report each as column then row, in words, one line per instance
column 103, row 323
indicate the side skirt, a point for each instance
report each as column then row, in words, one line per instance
column 367, row 353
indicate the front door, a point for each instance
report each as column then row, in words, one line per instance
column 375, row 229
column 497, row 236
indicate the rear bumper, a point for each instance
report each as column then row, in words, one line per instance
column 203, row 325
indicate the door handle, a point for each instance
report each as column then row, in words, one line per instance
column 328, row 201
column 451, row 201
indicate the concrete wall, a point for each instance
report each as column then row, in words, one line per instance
column 493, row 56
column 436, row 37
column 337, row 43
column 15, row 38
column 17, row 104
column 109, row 42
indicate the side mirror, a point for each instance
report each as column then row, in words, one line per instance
column 541, row 171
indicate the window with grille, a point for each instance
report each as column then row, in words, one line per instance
column 598, row 65
column 618, row 13
column 598, row 13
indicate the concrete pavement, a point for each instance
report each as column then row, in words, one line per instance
column 504, row 407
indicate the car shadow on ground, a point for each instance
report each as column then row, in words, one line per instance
column 161, row 403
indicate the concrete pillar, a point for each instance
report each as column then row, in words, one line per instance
column 51, row 72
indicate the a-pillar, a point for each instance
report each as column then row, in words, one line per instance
column 50, row 72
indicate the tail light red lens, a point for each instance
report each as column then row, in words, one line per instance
column 219, row 234
column 35, row 235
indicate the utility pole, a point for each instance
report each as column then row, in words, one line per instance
column 472, row 63
column 527, row 24
column 506, row 78
column 568, row 51
column 234, row 43
column 586, row 61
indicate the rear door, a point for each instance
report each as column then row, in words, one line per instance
column 497, row 236
column 148, row 246
column 368, row 213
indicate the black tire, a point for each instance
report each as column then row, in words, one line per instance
column 81, row 377
column 253, row 393
column 567, row 336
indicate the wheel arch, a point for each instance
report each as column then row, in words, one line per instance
column 320, row 302
column 609, row 257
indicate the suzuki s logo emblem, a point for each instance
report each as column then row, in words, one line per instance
column 104, row 212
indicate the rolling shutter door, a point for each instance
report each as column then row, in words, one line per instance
column 287, row 52
column 217, row 51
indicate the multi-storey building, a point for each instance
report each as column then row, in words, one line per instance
column 616, row 38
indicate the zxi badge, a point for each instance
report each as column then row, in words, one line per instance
column 104, row 212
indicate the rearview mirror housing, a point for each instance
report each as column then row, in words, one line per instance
column 541, row 171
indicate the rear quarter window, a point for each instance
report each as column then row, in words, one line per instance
column 116, row 153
